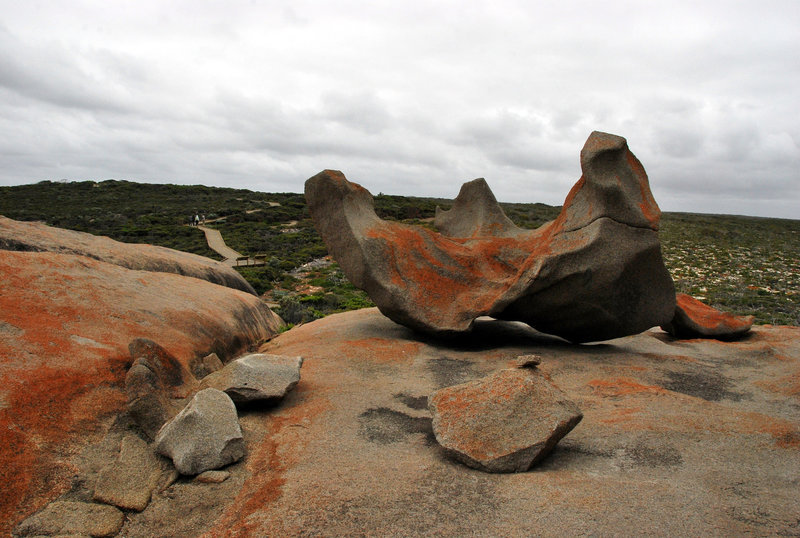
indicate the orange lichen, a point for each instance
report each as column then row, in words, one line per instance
column 36, row 420
column 709, row 317
column 648, row 205
column 268, row 463
column 622, row 415
column 375, row 349
column 788, row 385
column 623, row 386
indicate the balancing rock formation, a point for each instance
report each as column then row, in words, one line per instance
column 594, row 273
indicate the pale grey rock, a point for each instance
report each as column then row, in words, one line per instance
column 505, row 422
column 256, row 377
column 130, row 480
column 73, row 518
column 205, row 435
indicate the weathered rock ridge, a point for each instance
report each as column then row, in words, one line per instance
column 66, row 320
column 38, row 237
column 594, row 273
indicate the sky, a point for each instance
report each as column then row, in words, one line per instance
column 407, row 97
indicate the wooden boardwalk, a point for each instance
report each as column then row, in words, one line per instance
column 230, row 256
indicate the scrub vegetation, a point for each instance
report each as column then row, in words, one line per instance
column 744, row 265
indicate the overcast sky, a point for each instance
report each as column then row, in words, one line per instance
column 407, row 97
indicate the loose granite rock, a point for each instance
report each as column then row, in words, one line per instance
column 594, row 273
column 528, row 361
column 73, row 518
column 256, row 377
column 695, row 319
column 505, row 422
column 148, row 404
column 129, row 482
column 205, row 435
column 203, row 366
column 213, row 477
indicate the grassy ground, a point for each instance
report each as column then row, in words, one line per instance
column 740, row 264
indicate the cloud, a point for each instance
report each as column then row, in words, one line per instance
column 408, row 98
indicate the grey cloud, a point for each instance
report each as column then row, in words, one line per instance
column 409, row 98
column 52, row 75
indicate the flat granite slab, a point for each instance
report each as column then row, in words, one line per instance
column 679, row 437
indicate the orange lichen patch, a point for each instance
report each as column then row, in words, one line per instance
column 622, row 415
column 623, row 386
column 788, row 385
column 708, row 317
column 573, row 192
column 378, row 350
column 448, row 273
column 648, row 205
column 268, row 463
column 41, row 414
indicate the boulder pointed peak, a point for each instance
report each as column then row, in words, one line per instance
column 614, row 185
column 475, row 212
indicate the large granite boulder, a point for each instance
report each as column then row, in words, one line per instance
column 594, row 273
column 205, row 435
column 38, row 237
column 258, row 377
column 503, row 423
column 66, row 321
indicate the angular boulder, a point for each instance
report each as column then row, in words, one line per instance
column 148, row 403
column 505, row 422
column 63, row 518
column 594, row 273
column 206, row 435
column 695, row 319
column 202, row 366
column 130, row 480
column 256, row 377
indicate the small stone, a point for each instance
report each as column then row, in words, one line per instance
column 148, row 404
column 167, row 478
column 528, row 361
column 175, row 377
column 695, row 319
column 256, row 377
column 76, row 518
column 505, row 422
column 204, row 435
column 129, row 482
column 203, row 366
column 213, row 477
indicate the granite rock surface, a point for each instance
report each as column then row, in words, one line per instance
column 66, row 321
column 594, row 273
column 503, row 423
